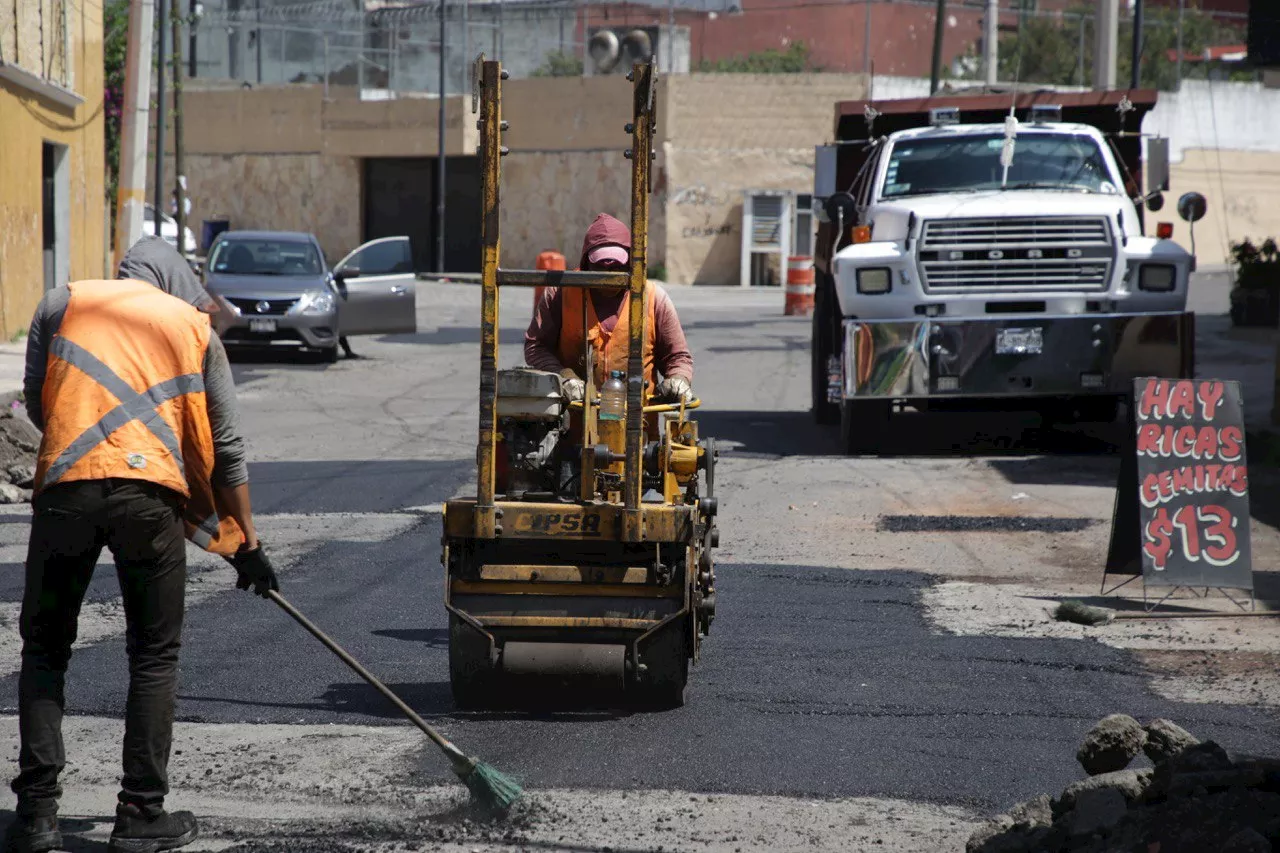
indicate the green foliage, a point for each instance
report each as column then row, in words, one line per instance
column 115, row 32
column 658, row 272
column 1047, row 49
column 560, row 64
column 793, row 60
column 1257, row 266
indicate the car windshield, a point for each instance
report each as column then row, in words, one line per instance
column 243, row 256
column 955, row 164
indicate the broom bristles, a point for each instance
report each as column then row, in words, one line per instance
column 490, row 786
column 1082, row 614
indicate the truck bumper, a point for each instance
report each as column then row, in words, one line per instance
column 940, row 358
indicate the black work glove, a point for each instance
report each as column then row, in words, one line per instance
column 254, row 569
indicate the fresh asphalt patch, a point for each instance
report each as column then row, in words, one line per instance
column 814, row 682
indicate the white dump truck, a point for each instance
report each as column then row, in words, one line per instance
column 980, row 250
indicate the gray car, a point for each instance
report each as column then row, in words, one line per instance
column 274, row 289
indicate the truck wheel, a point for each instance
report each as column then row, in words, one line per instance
column 864, row 425
column 824, row 339
column 470, row 671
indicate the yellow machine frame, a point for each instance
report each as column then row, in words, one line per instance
column 602, row 595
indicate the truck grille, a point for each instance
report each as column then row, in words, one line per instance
column 1017, row 253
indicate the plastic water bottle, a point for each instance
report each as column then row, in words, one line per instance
column 613, row 397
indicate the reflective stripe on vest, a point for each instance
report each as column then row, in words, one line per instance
column 117, row 337
column 133, row 407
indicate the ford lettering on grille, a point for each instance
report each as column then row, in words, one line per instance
column 1044, row 253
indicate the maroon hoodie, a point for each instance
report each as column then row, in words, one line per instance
column 670, row 349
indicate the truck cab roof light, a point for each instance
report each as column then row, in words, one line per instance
column 1164, row 230
column 940, row 116
column 1046, row 112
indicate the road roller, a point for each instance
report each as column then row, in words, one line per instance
column 584, row 556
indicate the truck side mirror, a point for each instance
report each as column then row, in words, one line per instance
column 1155, row 202
column 1192, row 207
column 840, row 206
column 1157, row 165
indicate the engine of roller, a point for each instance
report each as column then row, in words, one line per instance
column 537, row 461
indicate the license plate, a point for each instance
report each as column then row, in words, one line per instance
column 1019, row 341
column 262, row 325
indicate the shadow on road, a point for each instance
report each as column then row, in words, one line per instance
column 433, row 638
column 913, row 434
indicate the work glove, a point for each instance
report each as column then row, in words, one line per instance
column 253, row 568
column 674, row 389
column 572, row 387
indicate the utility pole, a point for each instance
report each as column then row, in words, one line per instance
column 194, row 14
column 131, row 192
column 1135, row 75
column 939, row 25
column 1107, row 25
column 179, row 193
column 158, row 186
column 1182, row 8
column 866, row 41
column 440, row 151
column 992, row 43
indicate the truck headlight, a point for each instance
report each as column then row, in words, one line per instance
column 874, row 280
column 315, row 302
column 1158, row 278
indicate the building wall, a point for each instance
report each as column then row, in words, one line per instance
column 729, row 133
column 287, row 158
column 27, row 120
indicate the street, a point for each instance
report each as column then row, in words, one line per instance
column 873, row 678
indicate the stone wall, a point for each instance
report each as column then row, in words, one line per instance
column 727, row 134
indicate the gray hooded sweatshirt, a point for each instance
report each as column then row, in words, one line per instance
column 156, row 262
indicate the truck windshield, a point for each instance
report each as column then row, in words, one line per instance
column 955, row 164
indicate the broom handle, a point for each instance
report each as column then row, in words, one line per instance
column 365, row 674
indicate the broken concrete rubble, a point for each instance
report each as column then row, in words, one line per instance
column 19, row 443
column 1197, row 799
column 1166, row 739
column 1111, row 744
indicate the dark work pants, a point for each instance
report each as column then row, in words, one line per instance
column 141, row 524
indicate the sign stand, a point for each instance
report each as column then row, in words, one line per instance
column 1181, row 514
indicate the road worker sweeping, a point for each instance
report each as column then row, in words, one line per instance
column 141, row 450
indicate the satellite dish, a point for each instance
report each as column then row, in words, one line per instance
column 603, row 49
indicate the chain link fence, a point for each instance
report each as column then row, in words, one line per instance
column 397, row 47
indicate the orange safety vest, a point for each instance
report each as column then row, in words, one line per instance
column 611, row 348
column 124, row 398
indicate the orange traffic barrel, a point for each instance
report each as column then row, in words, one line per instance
column 799, row 286
column 547, row 260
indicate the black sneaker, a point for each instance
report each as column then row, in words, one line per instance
column 29, row 834
column 135, row 832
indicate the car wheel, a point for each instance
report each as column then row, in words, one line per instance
column 329, row 355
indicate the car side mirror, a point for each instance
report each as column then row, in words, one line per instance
column 346, row 273
column 1192, row 207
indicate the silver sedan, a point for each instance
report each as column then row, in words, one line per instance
column 275, row 289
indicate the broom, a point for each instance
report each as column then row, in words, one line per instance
column 492, row 788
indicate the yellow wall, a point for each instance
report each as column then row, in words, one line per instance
column 27, row 120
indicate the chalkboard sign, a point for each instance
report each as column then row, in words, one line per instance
column 1192, row 483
